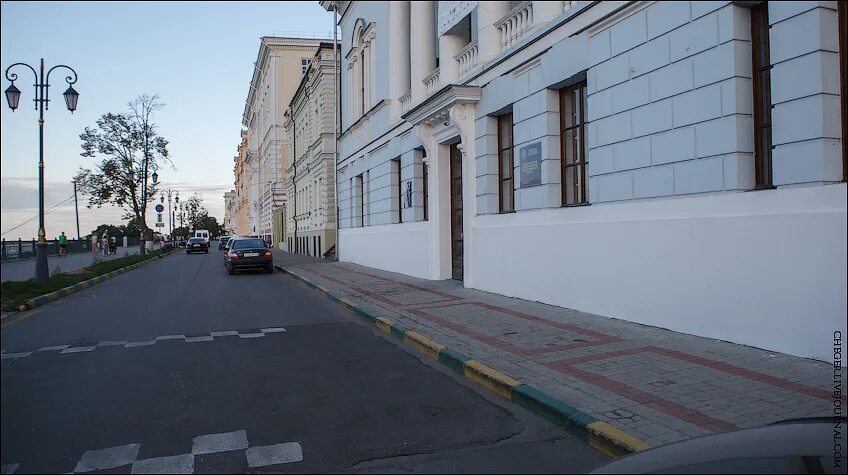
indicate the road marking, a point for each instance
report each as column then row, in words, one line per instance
column 112, row 343
column 223, row 442
column 107, row 458
column 273, row 330
column 54, row 348
column 175, row 464
column 192, row 339
column 251, row 335
column 23, row 317
column 78, row 349
column 9, row 468
column 170, row 337
column 225, row 333
column 140, row 343
column 7, row 356
column 262, row 456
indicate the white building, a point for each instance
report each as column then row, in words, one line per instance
column 229, row 211
column 677, row 164
column 277, row 72
column 310, row 118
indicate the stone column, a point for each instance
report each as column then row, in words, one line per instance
column 489, row 37
column 422, row 46
column 399, row 53
column 449, row 45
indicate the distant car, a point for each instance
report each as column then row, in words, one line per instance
column 197, row 244
column 230, row 242
column 792, row 446
column 222, row 242
column 249, row 253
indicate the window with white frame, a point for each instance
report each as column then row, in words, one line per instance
column 304, row 66
column 361, row 61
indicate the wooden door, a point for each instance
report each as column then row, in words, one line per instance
column 456, row 212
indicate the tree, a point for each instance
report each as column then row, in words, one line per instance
column 194, row 210
column 111, row 229
column 210, row 223
column 182, row 232
column 120, row 142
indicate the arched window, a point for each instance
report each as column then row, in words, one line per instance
column 360, row 69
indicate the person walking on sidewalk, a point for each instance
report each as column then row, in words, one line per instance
column 63, row 244
column 114, row 245
column 94, row 242
column 105, row 244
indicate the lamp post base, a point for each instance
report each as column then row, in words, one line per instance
column 42, row 270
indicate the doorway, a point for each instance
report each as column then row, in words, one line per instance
column 456, row 212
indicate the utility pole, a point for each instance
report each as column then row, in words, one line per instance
column 76, row 208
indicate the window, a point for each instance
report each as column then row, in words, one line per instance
column 762, row 95
column 505, row 164
column 395, row 170
column 426, row 192
column 362, row 83
column 359, row 193
column 304, row 66
column 572, row 110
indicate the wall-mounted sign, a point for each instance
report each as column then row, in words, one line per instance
column 408, row 194
column 530, row 164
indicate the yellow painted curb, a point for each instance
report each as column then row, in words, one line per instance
column 384, row 324
column 490, row 378
column 423, row 344
column 347, row 303
column 323, row 289
column 613, row 442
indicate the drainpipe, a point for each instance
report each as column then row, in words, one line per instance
column 336, row 118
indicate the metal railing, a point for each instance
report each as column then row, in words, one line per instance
column 20, row 249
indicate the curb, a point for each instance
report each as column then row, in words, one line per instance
column 597, row 434
column 49, row 297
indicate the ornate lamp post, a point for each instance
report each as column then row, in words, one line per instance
column 42, row 101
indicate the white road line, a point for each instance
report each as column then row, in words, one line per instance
column 223, row 442
column 175, row 464
column 9, row 468
column 251, row 335
column 112, row 343
column 170, row 337
column 8, row 356
column 107, row 458
column 78, row 349
column 288, row 452
column 140, row 343
column 273, row 330
column 53, row 348
column 225, row 333
column 192, row 339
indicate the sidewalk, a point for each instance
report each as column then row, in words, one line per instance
column 654, row 384
column 18, row 270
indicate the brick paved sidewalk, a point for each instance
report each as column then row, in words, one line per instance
column 655, row 384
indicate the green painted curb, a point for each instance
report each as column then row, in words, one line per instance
column 65, row 291
column 558, row 412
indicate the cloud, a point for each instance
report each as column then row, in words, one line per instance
column 19, row 193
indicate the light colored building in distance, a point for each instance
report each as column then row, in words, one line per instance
column 229, row 211
column 242, row 207
column 311, row 220
column 676, row 164
column 277, row 71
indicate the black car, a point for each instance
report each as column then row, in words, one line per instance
column 222, row 242
column 197, row 244
column 249, row 253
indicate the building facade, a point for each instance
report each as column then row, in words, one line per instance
column 242, row 212
column 277, row 71
column 311, row 223
column 229, row 211
column 676, row 164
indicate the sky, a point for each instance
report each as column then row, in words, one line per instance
column 198, row 56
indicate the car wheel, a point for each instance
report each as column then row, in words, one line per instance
column 231, row 271
column 270, row 270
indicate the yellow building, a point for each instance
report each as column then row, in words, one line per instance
column 241, row 188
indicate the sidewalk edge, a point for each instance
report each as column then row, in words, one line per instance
column 49, row 297
column 598, row 434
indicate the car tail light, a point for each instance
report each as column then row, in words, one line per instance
column 233, row 256
column 267, row 254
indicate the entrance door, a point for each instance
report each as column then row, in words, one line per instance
column 456, row 212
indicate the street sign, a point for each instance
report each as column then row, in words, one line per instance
column 160, row 208
column 160, row 225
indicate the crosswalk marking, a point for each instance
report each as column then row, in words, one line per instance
column 111, row 457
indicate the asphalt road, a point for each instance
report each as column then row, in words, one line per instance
column 224, row 389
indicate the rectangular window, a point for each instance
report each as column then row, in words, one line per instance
column 426, row 192
column 572, row 112
column 304, row 66
column 762, row 95
column 362, row 83
column 397, row 185
column 505, row 164
column 359, row 193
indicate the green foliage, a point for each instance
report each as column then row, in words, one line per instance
column 210, row 223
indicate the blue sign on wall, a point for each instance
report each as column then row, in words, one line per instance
column 530, row 164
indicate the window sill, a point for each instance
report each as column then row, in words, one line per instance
column 763, row 187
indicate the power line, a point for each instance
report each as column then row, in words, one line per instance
column 36, row 216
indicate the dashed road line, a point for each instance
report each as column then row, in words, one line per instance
column 78, row 349
column 53, row 348
column 223, row 442
column 174, row 464
column 7, row 356
column 9, row 468
column 262, row 456
column 104, row 459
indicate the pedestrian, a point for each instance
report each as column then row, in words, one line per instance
column 63, row 244
column 105, row 244
column 94, row 242
column 114, row 245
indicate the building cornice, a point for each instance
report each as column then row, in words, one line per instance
column 436, row 108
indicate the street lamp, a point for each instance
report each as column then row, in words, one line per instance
column 42, row 101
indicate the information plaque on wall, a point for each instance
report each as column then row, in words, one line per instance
column 530, row 162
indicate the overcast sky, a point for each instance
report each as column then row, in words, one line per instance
column 197, row 55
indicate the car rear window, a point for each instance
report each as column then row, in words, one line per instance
column 196, row 239
column 248, row 243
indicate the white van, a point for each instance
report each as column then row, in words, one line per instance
column 203, row 233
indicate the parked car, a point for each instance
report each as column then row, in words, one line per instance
column 230, row 242
column 197, row 244
column 222, row 242
column 249, row 253
column 792, row 446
